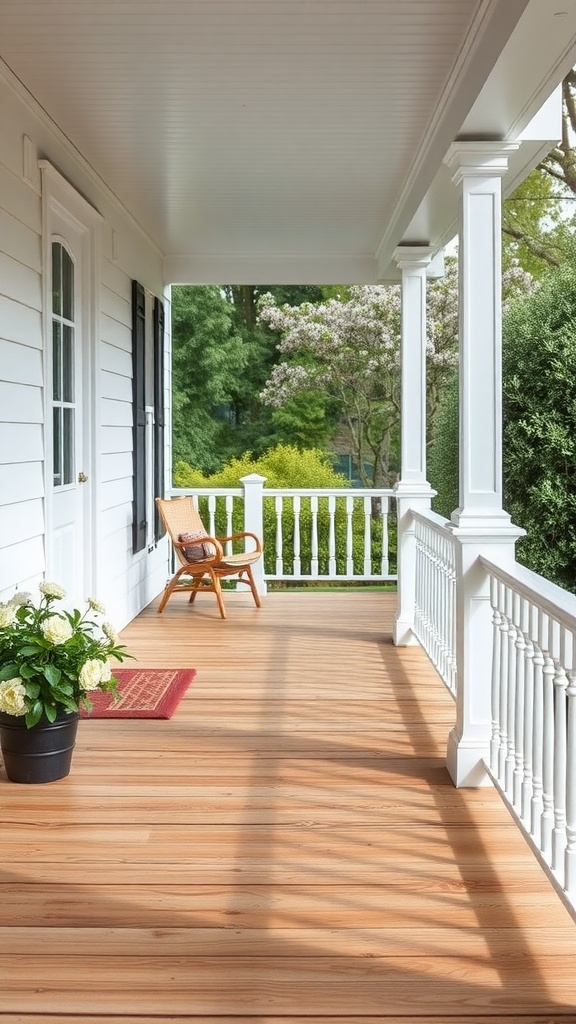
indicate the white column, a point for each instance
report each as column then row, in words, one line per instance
column 412, row 490
column 253, row 485
column 480, row 524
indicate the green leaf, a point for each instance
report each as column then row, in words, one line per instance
column 52, row 674
column 35, row 714
column 51, row 712
column 32, row 690
column 9, row 671
column 30, row 650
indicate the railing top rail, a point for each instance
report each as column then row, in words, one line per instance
column 289, row 492
column 436, row 522
column 326, row 492
column 181, row 492
column 551, row 599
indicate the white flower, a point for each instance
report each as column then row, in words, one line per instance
column 96, row 605
column 110, row 633
column 106, row 673
column 13, row 697
column 56, row 629
column 21, row 598
column 53, row 590
column 7, row 615
column 90, row 674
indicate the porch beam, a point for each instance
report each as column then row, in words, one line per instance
column 412, row 490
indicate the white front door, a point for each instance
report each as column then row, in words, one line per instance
column 71, row 259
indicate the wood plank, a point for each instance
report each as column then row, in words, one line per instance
column 289, row 985
column 306, row 942
column 349, row 906
column 559, row 1017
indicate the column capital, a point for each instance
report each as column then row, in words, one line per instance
column 477, row 159
column 413, row 256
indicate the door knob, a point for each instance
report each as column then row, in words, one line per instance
column 82, row 478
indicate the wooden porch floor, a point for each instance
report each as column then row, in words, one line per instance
column 287, row 849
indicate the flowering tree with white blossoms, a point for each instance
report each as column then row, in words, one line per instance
column 50, row 660
column 350, row 349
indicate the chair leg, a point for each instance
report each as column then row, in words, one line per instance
column 218, row 592
column 253, row 588
column 169, row 589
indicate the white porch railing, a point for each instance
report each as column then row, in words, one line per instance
column 533, row 749
column 435, row 605
column 323, row 535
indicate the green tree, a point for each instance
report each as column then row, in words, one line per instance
column 539, row 449
column 209, row 358
column 539, row 218
column 539, row 437
column 306, row 424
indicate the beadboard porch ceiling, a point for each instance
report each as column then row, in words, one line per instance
column 286, row 140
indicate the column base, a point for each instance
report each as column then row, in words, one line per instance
column 465, row 762
column 403, row 634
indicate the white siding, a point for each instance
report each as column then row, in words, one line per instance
column 124, row 582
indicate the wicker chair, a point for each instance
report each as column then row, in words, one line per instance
column 203, row 561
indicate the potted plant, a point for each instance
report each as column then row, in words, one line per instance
column 50, row 661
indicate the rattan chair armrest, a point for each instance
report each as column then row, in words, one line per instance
column 240, row 536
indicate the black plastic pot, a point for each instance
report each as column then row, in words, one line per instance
column 40, row 754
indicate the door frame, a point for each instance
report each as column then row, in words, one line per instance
column 63, row 205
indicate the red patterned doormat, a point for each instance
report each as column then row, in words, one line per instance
column 144, row 693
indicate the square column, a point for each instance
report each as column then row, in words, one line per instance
column 412, row 490
column 477, row 170
column 480, row 525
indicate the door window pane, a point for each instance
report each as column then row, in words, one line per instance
column 68, row 364
column 57, row 278
column 67, row 286
column 57, row 444
column 68, row 446
column 63, row 367
column 56, row 360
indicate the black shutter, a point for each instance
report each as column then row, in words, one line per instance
column 139, row 417
column 159, row 528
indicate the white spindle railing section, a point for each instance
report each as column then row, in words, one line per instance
column 339, row 534
column 435, row 611
column 533, row 748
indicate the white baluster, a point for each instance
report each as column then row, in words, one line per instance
column 496, row 674
column 519, row 709
column 528, row 781
column 349, row 537
column 570, row 854
column 212, row 515
column 511, row 694
column 560, row 760
column 297, row 559
column 367, row 537
column 332, row 564
column 314, row 536
column 503, row 713
column 537, row 802
column 548, row 758
column 229, row 506
column 385, row 563
column 278, row 506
